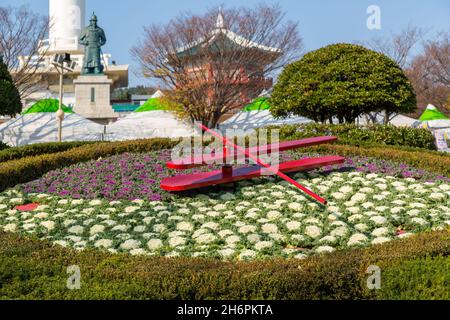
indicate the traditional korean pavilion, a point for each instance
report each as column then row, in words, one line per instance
column 248, row 76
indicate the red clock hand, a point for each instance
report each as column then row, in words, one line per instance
column 267, row 166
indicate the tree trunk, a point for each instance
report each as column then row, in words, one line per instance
column 386, row 117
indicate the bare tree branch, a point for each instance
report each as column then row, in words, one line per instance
column 209, row 69
column 21, row 32
column 399, row 46
column 430, row 72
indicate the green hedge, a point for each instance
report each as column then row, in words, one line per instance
column 426, row 278
column 350, row 134
column 35, row 270
column 38, row 149
column 27, row 169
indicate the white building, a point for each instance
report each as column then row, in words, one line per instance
column 67, row 19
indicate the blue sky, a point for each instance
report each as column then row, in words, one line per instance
column 321, row 22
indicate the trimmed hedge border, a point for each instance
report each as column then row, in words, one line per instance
column 350, row 134
column 425, row 278
column 9, row 154
column 32, row 269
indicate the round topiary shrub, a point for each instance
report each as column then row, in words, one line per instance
column 342, row 81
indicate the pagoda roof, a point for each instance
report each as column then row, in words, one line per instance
column 220, row 31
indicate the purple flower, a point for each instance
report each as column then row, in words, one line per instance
column 131, row 176
column 155, row 197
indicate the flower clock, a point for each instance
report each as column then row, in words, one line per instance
column 115, row 204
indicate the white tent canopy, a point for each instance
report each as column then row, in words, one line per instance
column 402, row 121
column 43, row 127
column 436, row 124
column 249, row 120
column 398, row 120
column 151, row 124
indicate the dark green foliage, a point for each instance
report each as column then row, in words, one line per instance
column 3, row 146
column 37, row 149
column 10, row 103
column 343, row 81
column 426, row 278
column 350, row 134
column 36, row 270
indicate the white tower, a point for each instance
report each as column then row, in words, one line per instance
column 67, row 18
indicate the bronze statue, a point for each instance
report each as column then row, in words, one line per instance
column 93, row 38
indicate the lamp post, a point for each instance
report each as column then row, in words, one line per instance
column 58, row 61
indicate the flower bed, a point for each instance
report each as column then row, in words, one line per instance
column 126, row 176
column 264, row 218
column 138, row 176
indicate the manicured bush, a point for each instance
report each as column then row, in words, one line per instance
column 426, row 278
column 29, row 168
column 350, row 134
column 38, row 149
column 342, row 81
column 36, row 270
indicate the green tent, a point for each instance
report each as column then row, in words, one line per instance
column 432, row 113
column 46, row 106
column 258, row 105
column 152, row 104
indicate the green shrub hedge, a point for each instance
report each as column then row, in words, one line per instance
column 29, row 168
column 350, row 134
column 426, row 278
column 35, row 270
column 38, row 149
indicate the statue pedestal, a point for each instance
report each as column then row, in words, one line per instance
column 92, row 98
